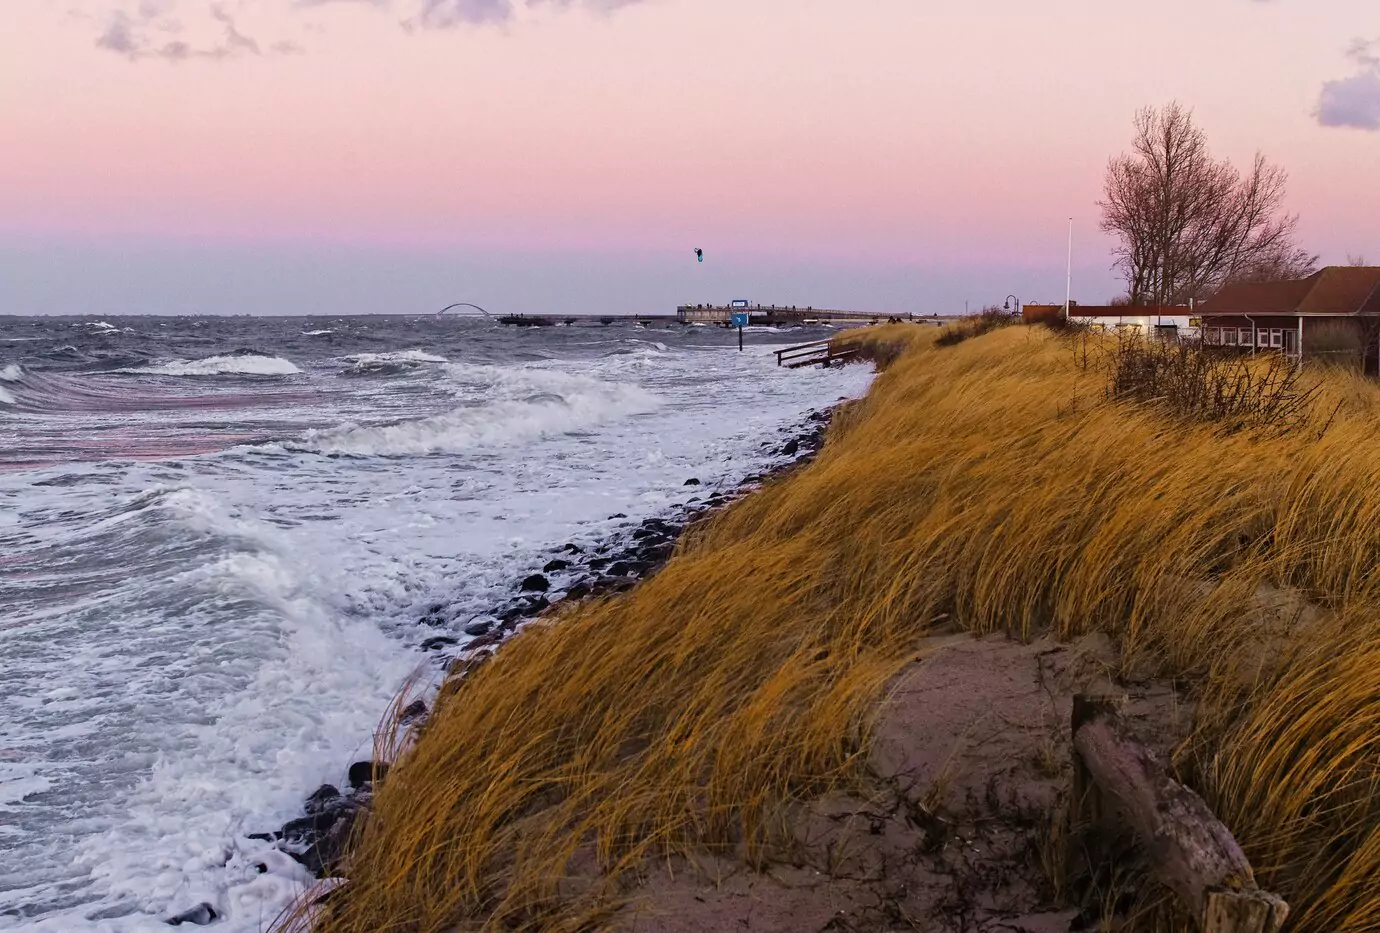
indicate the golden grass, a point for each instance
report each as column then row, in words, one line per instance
column 989, row 484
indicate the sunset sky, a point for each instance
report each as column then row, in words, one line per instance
column 318, row 156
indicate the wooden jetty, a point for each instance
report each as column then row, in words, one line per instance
column 815, row 353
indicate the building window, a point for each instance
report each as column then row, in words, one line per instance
column 1245, row 336
column 1229, row 336
column 1262, row 337
column 1276, row 337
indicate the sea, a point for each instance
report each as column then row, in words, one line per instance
column 217, row 536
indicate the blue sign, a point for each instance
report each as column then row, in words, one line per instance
column 740, row 319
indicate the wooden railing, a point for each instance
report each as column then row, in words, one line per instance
column 818, row 352
column 1191, row 852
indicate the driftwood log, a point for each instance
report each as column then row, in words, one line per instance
column 1192, row 853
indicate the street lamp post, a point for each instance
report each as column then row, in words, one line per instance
column 1006, row 306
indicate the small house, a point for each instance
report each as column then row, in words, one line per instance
column 1333, row 314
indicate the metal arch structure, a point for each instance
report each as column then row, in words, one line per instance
column 463, row 304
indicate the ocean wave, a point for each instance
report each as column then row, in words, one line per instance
column 386, row 363
column 317, row 333
column 6, row 398
column 245, row 364
column 522, row 406
column 11, row 373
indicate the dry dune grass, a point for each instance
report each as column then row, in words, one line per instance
column 989, row 485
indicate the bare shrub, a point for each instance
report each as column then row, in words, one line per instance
column 975, row 325
column 1336, row 343
column 1237, row 393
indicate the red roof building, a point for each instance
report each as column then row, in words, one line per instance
column 1335, row 310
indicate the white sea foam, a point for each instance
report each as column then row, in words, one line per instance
column 11, row 373
column 518, row 406
column 246, row 364
column 317, row 333
column 193, row 645
column 226, row 731
column 6, row 398
column 397, row 356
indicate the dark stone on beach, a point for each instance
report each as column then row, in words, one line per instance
column 305, row 830
column 554, row 565
column 536, row 606
column 790, row 449
column 324, row 798
column 412, row 712
column 598, row 563
column 749, row 480
column 478, row 628
column 695, row 499
column 510, row 616
column 691, row 482
column 326, row 851
column 483, row 641
column 433, row 620
column 641, row 533
column 364, row 773
column 264, row 837
column 657, row 555
column 329, row 894
column 200, row 915
column 435, row 608
column 617, row 515
column 578, row 591
column 572, row 549
column 439, row 641
column 620, row 569
column 536, row 583
column 819, row 416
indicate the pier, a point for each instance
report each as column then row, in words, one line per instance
column 771, row 315
column 758, row 315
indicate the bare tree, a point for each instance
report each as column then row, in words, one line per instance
column 1356, row 262
column 1186, row 223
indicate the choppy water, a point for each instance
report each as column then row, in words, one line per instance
column 216, row 537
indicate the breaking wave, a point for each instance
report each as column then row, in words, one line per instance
column 369, row 364
column 247, row 364
column 518, row 406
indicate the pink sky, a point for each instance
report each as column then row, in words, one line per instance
column 867, row 132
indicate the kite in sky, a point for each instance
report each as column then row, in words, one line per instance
column 699, row 254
